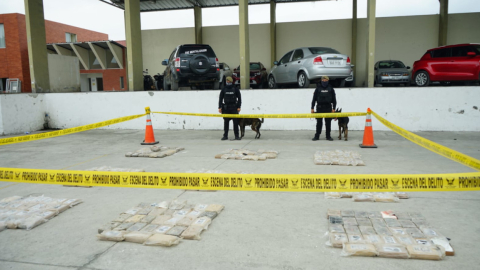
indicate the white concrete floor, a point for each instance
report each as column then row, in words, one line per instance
column 257, row 230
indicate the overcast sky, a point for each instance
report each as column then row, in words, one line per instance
column 98, row 16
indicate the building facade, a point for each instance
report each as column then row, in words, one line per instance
column 14, row 62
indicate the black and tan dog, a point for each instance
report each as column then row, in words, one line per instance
column 342, row 124
column 254, row 123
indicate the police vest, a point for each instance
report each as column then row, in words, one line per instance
column 229, row 96
column 324, row 95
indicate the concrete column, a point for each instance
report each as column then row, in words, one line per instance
column 273, row 31
column 197, row 12
column 353, row 58
column 37, row 46
column 244, row 45
column 443, row 23
column 371, row 42
column 134, row 45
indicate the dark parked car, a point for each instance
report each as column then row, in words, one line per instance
column 448, row 64
column 258, row 75
column 391, row 72
column 191, row 65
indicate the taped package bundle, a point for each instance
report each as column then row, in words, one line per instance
column 333, row 212
column 336, row 228
column 385, row 198
column 373, row 239
column 137, row 237
column 162, row 240
column 135, row 218
column 363, row 197
column 192, row 233
column 332, row 195
column 336, row 240
column 355, row 249
column 112, row 236
column 426, row 252
column 439, row 241
column 351, row 221
column 392, row 251
column 356, row 239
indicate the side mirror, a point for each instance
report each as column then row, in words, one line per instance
column 263, row 69
column 220, row 66
column 275, row 63
column 471, row 54
column 165, row 62
column 408, row 67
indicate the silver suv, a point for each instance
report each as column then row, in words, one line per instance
column 307, row 65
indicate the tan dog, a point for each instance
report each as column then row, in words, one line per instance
column 254, row 123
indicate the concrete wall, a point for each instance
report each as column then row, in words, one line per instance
column 20, row 113
column 64, row 73
column 401, row 38
column 415, row 109
column 157, row 45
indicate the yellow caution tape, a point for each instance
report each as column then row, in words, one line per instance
column 67, row 131
column 298, row 115
column 432, row 146
column 249, row 182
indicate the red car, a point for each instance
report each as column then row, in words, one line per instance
column 258, row 75
column 447, row 64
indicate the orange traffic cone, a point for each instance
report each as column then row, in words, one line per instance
column 368, row 133
column 149, row 137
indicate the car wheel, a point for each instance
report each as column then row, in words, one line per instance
column 422, row 78
column 302, row 80
column 166, row 87
column 174, row 85
column 216, row 85
column 272, row 84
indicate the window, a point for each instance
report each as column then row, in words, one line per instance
column 461, row 51
column 447, row 52
column 391, row 64
column 69, row 37
column 477, row 48
column 196, row 49
column 298, row 55
column 286, row 58
column 122, row 86
column 2, row 36
column 321, row 50
column 253, row 66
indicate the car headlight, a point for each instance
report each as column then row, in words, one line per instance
column 405, row 74
column 384, row 74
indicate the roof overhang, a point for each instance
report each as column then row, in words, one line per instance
column 163, row 5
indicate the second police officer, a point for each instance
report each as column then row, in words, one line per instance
column 326, row 100
column 230, row 102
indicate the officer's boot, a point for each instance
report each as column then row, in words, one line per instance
column 316, row 137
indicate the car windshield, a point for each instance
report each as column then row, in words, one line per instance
column 321, row 50
column 192, row 50
column 477, row 48
column 391, row 64
column 253, row 66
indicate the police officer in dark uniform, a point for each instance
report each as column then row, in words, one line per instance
column 326, row 101
column 229, row 103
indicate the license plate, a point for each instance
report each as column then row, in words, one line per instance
column 334, row 62
column 396, row 77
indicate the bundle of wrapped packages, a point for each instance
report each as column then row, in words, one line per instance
column 389, row 234
column 338, row 157
column 161, row 224
column 385, row 197
column 18, row 212
column 155, row 151
column 244, row 154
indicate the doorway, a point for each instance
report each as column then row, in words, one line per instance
column 99, row 84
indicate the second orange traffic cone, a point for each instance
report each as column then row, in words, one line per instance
column 368, row 133
column 149, row 136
